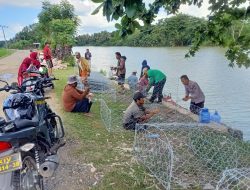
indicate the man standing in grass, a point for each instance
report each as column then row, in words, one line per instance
column 48, row 57
column 136, row 113
column 88, row 57
column 193, row 93
column 158, row 80
column 83, row 65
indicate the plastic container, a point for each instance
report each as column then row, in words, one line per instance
column 153, row 136
column 204, row 116
column 216, row 117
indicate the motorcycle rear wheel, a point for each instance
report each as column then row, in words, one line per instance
column 28, row 177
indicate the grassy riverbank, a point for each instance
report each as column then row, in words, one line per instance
column 110, row 153
column 5, row 52
column 200, row 152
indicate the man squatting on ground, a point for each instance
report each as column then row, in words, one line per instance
column 136, row 113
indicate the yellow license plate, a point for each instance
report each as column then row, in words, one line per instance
column 10, row 163
column 39, row 102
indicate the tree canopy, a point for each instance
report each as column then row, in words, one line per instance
column 57, row 24
column 174, row 31
column 225, row 16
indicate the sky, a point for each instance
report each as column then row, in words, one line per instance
column 16, row 14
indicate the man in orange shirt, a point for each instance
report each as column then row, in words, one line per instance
column 48, row 57
column 83, row 65
column 75, row 100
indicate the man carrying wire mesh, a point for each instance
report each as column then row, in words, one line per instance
column 193, row 93
column 136, row 113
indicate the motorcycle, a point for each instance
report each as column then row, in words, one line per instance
column 29, row 139
column 41, row 73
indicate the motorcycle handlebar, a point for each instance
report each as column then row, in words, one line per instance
column 7, row 88
column 2, row 89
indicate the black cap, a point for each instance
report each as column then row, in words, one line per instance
column 138, row 95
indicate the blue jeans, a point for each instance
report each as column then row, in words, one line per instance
column 82, row 106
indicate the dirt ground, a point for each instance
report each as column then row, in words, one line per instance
column 72, row 173
column 8, row 71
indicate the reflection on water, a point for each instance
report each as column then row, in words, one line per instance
column 226, row 89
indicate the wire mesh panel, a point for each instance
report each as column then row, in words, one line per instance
column 100, row 84
column 151, row 147
column 112, row 115
column 235, row 179
column 169, row 115
column 188, row 171
column 117, row 103
column 200, row 153
column 105, row 113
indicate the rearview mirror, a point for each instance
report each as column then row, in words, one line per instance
column 14, row 85
column 3, row 83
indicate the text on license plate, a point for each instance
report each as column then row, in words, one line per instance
column 10, row 163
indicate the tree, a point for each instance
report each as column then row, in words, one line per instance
column 58, row 23
column 224, row 14
column 174, row 31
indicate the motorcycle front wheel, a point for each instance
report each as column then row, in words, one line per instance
column 28, row 177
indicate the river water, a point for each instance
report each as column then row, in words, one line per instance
column 227, row 90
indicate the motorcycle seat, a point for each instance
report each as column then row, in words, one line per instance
column 24, row 123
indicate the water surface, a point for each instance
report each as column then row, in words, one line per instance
column 226, row 89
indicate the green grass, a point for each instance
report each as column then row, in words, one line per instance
column 5, row 52
column 107, row 151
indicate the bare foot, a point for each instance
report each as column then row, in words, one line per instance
column 88, row 114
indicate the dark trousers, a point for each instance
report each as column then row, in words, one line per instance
column 82, row 106
column 130, row 125
column 121, row 79
column 195, row 108
column 157, row 92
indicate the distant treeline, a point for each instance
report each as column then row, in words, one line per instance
column 177, row 30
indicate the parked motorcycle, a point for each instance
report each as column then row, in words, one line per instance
column 41, row 73
column 29, row 139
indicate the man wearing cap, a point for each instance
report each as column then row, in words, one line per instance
column 75, row 100
column 136, row 113
column 133, row 81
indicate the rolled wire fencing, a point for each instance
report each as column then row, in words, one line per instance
column 199, row 154
column 112, row 112
column 236, row 179
column 152, row 148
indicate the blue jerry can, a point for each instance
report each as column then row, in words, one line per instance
column 204, row 115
